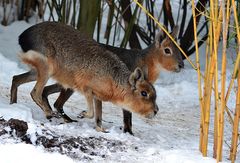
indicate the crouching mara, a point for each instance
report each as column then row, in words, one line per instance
column 76, row 61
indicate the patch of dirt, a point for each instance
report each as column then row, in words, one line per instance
column 80, row 148
column 17, row 127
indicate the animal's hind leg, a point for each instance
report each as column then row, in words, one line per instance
column 50, row 89
column 19, row 80
column 37, row 91
column 63, row 97
column 89, row 97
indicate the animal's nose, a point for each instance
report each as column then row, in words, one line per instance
column 181, row 65
column 156, row 110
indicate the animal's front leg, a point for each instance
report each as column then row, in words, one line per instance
column 98, row 116
column 89, row 97
column 127, row 122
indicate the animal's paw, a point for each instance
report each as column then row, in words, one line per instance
column 82, row 114
column 56, row 115
column 67, row 119
column 86, row 114
column 101, row 129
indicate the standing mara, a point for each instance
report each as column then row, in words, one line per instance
column 161, row 54
column 77, row 62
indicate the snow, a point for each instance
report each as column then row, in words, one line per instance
column 26, row 153
column 172, row 136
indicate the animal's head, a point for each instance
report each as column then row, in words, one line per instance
column 169, row 56
column 141, row 98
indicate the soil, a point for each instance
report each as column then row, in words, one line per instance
column 80, row 148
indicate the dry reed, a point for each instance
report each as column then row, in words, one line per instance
column 218, row 26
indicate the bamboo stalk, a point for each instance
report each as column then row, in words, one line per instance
column 207, row 103
column 238, row 56
column 215, row 131
column 223, row 79
column 223, row 82
column 235, row 134
column 207, row 68
column 206, row 80
column 216, row 28
column 198, row 69
column 209, row 79
column 215, row 37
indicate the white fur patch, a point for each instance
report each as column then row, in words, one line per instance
column 32, row 55
column 37, row 57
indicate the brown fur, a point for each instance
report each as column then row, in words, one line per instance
column 79, row 63
column 153, row 59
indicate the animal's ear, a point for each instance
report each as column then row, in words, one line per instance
column 160, row 37
column 137, row 75
column 175, row 31
column 145, row 71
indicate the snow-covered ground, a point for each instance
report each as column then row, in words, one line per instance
column 171, row 137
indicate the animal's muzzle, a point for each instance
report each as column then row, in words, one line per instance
column 181, row 65
column 156, row 110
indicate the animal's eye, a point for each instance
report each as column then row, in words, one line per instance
column 167, row 51
column 144, row 93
